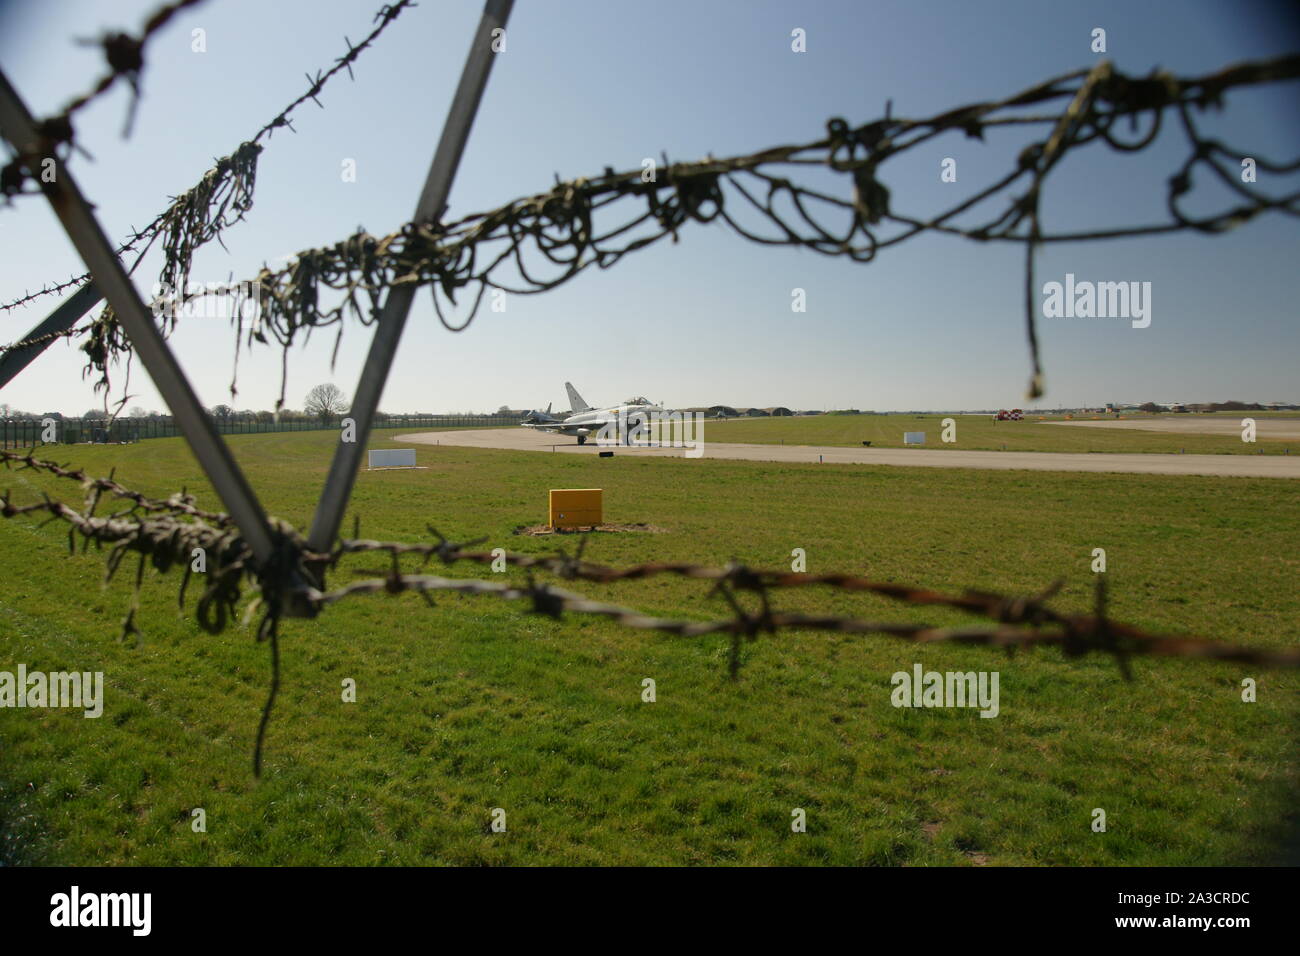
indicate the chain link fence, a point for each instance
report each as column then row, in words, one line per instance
column 32, row 432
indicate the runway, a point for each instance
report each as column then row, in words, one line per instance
column 1275, row 429
column 1244, row 466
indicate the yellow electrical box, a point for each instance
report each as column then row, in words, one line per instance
column 576, row 507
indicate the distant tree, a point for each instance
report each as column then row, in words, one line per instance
column 222, row 411
column 137, row 412
column 95, row 413
column 265, row 416
column 1150, row 407
column 326, row 402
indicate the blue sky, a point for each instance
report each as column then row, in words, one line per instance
column 935, row 323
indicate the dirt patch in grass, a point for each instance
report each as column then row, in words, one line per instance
column 545, row 529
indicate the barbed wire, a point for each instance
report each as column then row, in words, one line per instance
column 1076, row 634
column 219, row 200
column 386, row 15
column 125, row 57
column 179, row 503
column 164, row 533
column 58, row 288
column 169, row 534
column 558, row 228
column 1029, row 611
column 48, row 337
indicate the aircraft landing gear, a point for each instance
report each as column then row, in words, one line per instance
column 582, row 439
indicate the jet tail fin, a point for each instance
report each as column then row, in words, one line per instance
column 575, row 399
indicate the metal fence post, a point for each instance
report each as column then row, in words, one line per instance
column 79, row 222
column 392, row 317
column 60, row 320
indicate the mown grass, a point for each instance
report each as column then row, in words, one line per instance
column 982, row 433
column 476, row 704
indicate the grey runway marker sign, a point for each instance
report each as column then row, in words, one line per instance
column 392, row 458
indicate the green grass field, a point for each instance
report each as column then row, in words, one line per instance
column 476, row 705
column 981, row 433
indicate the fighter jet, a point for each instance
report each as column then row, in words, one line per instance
column 539, row 417
column 584, row 420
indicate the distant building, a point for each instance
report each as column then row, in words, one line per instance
column 731, row 411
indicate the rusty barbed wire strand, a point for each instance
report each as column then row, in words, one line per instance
column 1020, row 611
column 558, row 228
column 1076, row 634
column 166, row 534
column 219, row 200
column 179, row 503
